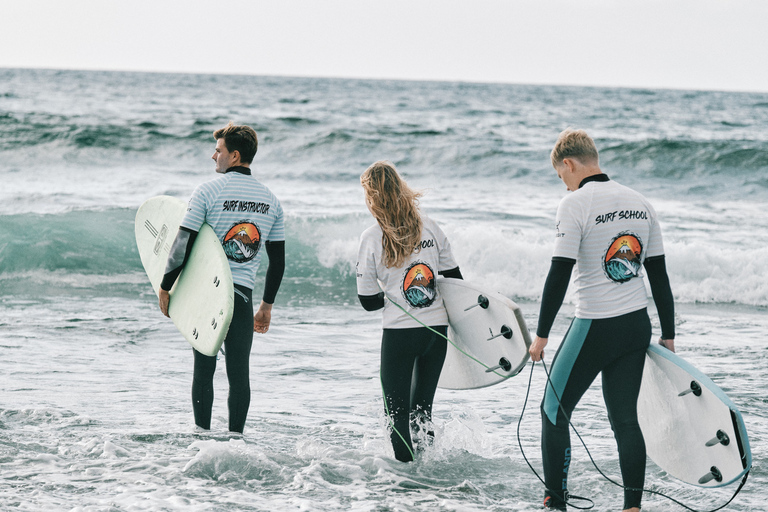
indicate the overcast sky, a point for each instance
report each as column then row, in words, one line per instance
column 688, row 44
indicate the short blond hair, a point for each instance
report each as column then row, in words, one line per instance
column 574, row 144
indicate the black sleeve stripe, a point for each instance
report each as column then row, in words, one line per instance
column 372, row 302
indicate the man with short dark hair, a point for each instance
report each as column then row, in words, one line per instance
column 245, row 215
column 609, row 232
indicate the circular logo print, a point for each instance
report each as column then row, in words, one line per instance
column 242, row 241
column 419, row 287
column 622, row 259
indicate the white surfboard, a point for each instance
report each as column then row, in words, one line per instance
column 489, row 335
column 692, row 430
column 203, row 298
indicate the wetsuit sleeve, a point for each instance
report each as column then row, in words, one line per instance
column 554, row 292
column 453, row 273
column 177, row 258
column 372, row 302
column 275, row 270
column 656, row 268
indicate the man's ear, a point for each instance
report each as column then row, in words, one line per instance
column 570, row 164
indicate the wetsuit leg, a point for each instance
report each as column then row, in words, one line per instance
column 202, row 389
column 237, row 346
column 571, row 374
column 400, row 351
column 426, row 374
column 615, row 346
column 621, row 388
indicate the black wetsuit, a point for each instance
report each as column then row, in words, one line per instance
column 614, row 346
column 239, row 339
column 237, row 346
column 411, row 362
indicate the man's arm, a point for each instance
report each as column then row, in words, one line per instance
column 275, row 271
column 177, row 258
column 656, row 268
column 552, row 298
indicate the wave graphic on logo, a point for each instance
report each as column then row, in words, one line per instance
column 622, row 259
column 419, row 288
column 242, row 242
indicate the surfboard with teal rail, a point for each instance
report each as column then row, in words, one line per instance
column 692, row 430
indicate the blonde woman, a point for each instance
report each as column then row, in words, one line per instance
column 404, row 252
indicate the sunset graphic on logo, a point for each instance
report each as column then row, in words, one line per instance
column 419, row 287
column 242, row 242
column 622, row 259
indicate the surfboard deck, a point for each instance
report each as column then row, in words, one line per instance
column 494, row 336
column 202, row 299
column 692, row 430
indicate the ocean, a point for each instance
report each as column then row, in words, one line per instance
column 95, row 407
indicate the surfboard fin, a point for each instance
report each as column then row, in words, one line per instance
column 504, row 364
column 482, row 301
column 721, row 438
column 714, row 474
column 695, row 389
column 505, row 331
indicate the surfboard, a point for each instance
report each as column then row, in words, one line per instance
column 203, row 298
column 692, row 430
column 489, row 335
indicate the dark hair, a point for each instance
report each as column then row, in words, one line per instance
column 239, row 138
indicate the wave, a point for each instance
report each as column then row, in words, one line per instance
column 681, row 159
column 312, row 128
column 94, row 253
column 316, row 151
column 73, row 133
column 86, row 251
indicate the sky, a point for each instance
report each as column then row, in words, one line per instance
column 678, row 44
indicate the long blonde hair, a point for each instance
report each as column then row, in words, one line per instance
column 395, row 206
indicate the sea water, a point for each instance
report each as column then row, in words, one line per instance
column 95, row 407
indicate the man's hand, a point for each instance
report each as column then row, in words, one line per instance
column 537, row 348
column 165, row 299
column 669, row 344
column 262, row 318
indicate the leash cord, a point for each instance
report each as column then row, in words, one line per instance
column 649, row 491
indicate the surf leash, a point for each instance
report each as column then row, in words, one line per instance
column 606, row 477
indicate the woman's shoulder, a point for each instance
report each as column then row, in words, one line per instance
column 430, row 225
column 373, row 231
